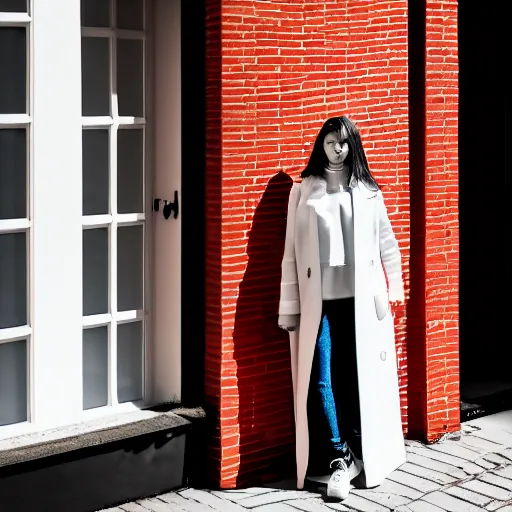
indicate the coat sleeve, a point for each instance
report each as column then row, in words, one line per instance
column 390, row 253
column 289, row 303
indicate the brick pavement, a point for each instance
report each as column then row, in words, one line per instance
column 467, row 473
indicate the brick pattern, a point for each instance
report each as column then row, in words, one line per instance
column 213, row 242
column 442, row 227
column 276, row 71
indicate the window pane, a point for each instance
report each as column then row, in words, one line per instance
column 130, row 14
column 95, row 271
column 130, row 168
column 95, row 76
column 129, row 268
column 95, row 367
column 13, row 69
column 13, row 382
column 13, row 280
column 129, row 362
column 13, row 5
column 95, row 13
column 95, row 160
column 13, row 173
column 130, row 77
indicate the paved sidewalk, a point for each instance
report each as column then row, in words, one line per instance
column 467, row 475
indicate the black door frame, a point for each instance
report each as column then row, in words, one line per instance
column 193, row 87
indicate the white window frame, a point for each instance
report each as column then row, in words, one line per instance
column 111, row 221
column 9, row 121
column 54, row 331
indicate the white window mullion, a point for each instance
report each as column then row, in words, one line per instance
column 97, row 121
column 30, row 68
column 96, row 221
column 57, row 213
column 9, row 19
column 14, row 120
column 96, row 320
column 129, row 316
column 129, row 120
column 15, row 333
column 113, row 227
column 130, row 218
column 11, row 225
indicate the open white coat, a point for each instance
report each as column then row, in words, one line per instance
column 374, row 247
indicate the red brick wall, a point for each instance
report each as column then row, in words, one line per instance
column 432, row 310
column 441, row 221
column 213, row 243
column 276, row 71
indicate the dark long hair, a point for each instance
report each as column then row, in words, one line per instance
column 356, row 158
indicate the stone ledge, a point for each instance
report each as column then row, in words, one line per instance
column 96, row 432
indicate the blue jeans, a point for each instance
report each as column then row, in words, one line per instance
column 335, row 375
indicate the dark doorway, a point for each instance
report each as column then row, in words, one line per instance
column 485, row 346
column 193, row 136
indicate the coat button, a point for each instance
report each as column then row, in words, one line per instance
column 309, row 272
column 383, row 355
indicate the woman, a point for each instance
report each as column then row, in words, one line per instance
column 335, row 303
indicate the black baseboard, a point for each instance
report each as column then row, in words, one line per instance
column 98, row 477
column 486, row 405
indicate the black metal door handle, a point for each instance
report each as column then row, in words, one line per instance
column 169, row 206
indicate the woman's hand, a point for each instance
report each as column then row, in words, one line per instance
column 288, row 322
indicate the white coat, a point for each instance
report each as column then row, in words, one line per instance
column 375, row 246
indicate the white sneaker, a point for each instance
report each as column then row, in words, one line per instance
column 339, row 483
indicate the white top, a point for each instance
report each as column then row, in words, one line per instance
column 334, row 211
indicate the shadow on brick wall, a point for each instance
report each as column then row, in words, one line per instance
column 261, row 349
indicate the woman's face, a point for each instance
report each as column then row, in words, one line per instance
column 336, row 147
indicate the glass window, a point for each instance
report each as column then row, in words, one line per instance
column 13, row 66
column 95, row 367
column 13, row 382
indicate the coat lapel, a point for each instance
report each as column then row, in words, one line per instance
column 364, row 191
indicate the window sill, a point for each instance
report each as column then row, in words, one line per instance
column 95, row 432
